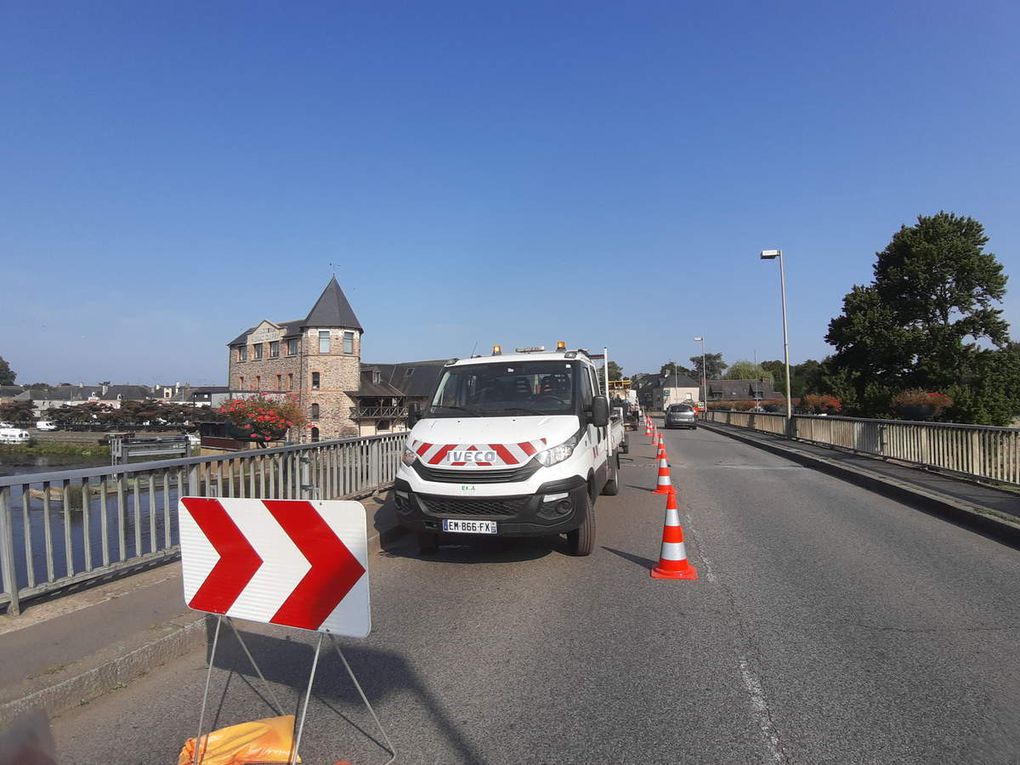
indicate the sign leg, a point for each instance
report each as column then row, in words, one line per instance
column 278, row 707
column 308, row 696
column 196, row 758
column 364, row 698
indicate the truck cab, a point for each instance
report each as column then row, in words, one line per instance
column 516, row 445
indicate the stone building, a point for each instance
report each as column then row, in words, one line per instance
column 317, row 359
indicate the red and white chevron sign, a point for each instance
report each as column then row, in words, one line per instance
column 278, row 561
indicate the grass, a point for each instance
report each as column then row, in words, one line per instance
column 35, row 448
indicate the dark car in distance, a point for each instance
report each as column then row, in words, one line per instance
column 681, row 416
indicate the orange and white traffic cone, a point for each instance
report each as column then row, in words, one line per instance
column 663, row 484
column 662, row 442
column 673, row 562
column 648, row 428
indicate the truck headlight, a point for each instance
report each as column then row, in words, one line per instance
column 408, row 457
column 556, row 454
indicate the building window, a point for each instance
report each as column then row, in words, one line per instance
column 274, row 349
column 258, row 382
column 292, row 347
column 315, row 380
column 279, row 382
column 315, row 435
column 315, row 411
column 242, row 353
column 290, row 381
column 348, row 342
column 240, row 383
column 257, row 351
column 323, row 341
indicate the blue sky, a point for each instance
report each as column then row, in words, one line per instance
column 605, row 173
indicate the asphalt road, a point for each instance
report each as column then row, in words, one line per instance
column 828, row 625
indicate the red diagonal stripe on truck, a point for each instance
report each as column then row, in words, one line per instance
column 238, row 560
column 423, row 448
column 441, row 454
column 527, row 448
column 334, row 569
column 504, row 454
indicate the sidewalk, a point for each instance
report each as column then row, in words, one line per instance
column 69, row 650
column 991, row 511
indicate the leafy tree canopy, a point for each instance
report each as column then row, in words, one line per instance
column 714, row 365
column 672, row 368
column 928, row 321
column 615, row 371
column 7, row 375
column 748, row 370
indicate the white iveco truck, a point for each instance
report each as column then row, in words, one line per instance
column 516, row 445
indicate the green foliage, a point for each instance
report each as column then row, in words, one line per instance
column 748, row 370
column 615, row 371
column 673, row 368
column 7, row 375
column 804, row 378
column 714, row 365
column 925, row 322
column 17, row 412
column 814, row 403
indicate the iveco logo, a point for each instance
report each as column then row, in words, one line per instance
column 464, row 456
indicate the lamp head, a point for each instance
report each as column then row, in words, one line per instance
column 771, row 254
column 699, row 339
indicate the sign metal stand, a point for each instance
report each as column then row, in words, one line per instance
column 277, row 707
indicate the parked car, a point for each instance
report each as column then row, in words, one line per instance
column 46, row 425
column 14, row 436
column 681, row 416
column 5, row 425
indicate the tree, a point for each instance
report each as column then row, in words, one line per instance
column 17, row 412
column 615, row 371
column 264, row 419
column 7, row 375
column 672, row 368
column 713, row 363
column 748, row 370
column 804, row 377
column 925, row 322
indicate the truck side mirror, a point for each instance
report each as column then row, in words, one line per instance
column 413, row 415
column 600, row 412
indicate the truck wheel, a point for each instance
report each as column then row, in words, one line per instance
column 428, row 542
column 581, row 541
column 612, row 486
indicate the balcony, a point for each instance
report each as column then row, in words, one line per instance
column 378, row 412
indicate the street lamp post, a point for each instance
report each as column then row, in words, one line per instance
column 772, row 255
column 704, row 373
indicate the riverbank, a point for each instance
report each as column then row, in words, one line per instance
column 11, row 454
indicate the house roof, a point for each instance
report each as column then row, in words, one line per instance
column 369, row 387
column 10, row 391
column 741, row 389
column 679, row 382
column 415, row 379
column 332, row 310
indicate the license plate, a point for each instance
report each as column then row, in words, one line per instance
column 469, row 527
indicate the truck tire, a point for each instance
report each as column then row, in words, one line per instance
column 581, row 541
column 612, row 486
column 428, row 542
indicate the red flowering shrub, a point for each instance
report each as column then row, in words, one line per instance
column 815, row 403
column 920, row 405
column 264, row 419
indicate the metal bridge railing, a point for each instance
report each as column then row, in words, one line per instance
column 61, row 528
column 975, row 451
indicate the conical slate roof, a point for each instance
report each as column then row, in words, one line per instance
column 332, row 310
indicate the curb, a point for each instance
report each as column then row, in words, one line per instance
column 118, row 671
column 971, row 516
column 112, row 674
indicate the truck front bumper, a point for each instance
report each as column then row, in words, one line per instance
column 557, row 507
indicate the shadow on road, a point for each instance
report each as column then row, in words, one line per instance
column 478, row 549
column 287, row 661
column 645, row 563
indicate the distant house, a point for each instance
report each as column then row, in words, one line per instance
column 10, row 392
column 74, row 395
column 388, row 390
column 742, row 390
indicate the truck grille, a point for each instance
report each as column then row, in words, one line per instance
column 476, row 475
column 456, row 506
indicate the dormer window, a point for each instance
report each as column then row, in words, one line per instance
column 376, row 376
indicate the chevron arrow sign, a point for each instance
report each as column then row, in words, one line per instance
column 294, row 563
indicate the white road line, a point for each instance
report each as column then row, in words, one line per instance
column 761, row 712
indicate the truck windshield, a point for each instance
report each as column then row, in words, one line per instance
column 505, row 390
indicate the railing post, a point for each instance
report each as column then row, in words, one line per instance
column 193, row 487
column 7, row 566
column 306, row 475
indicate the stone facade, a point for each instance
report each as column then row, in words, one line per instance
column 292, row 359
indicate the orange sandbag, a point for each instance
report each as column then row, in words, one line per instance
column 268, row 740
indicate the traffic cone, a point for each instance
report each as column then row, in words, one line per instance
column 660, row 452
column 664, row 484
column 662, row 443
column 673, row 562
column 648, row 428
